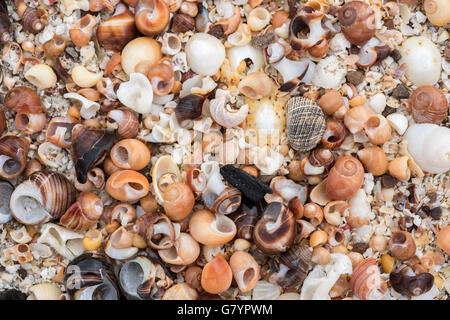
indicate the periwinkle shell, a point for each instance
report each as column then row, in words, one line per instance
column 305, row 123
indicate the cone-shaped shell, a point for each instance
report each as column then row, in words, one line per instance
column 305, row 123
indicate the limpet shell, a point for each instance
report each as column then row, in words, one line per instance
column 305, row 123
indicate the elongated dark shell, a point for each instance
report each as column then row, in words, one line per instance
column 5, row 23
column 298, row 260
column 251, row 187
column 305, row 123
column 245, row 219
column 88, row 146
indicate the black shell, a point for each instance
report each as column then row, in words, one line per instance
column 411, row 285
column 88, row 146
column 189, row 107
column 251, row 187
column 305, row 123
column 12, row 294
column 5, row 23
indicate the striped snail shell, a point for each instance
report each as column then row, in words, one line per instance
column 305, row 123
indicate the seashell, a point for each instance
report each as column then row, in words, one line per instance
column 245, row 270
column 402, row 245
column 294, row 266
column 427, row 145
column 92, row 240
column 2, row 121
column 130, row 154
column 117, row 31
column 54, row 47
column 211, row 229
column 377, row 129
column 6, row 189
column 356, row 118
column 256, row 85
column 66, row 242
column 189, row 107
column 236, row 55
column 245, row 219
column 45, row 291
column 258, row 18
column 231, row 23
column 264, row 290
column 33, row 19
column 41, row 76
column 216, row 275
column 171, row 44
column 127, row 185
column 164, row 171
column 84, row 213
column 59, row 131
column 20, row 235
column 178, row 201
column 182, row 23
column 140, row 279
column 293, row 71
column 82, row 30
column 23, row 99
column 305, row 123
column 153, row 226
column 319, row 195
column 366, row 281
column 88, row 147
column 357, row 21
column 226, row 114
column 98, row 5
column 21, row 253
column 90, row 277
column 137, row 93
column 322, row 278
column 84, row 78
column 438, row 12
column 399, row 169
column 127, row 122
column 152, row 16
column 40, row 250
column 180, row 291
column 399, row 122
column 161, row 76
column 374, row 160
column 442, row 239
column 196, row 179
column 287, row 190
column 140, row 51
column 334, row 134
column 30, row 123
column 330, row 102
column 42, row 197
column 429, row 105
column 185, row 251
column 311, row 20
column 423, row 61
column 251, row 187
column 204, row 54
column 120, row 245
column 411, row 285
column 12, row 294
column 5, row 23
column 345, row 178
column 275, row 231
column 13, row 155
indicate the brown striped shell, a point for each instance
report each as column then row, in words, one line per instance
column 366, row 281
column 42, row 197
column 13, row 155
column 84, row 213
column 305, row 123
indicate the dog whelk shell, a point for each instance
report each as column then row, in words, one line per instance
column 305, row 123
column 428, row 145
column 423, row 61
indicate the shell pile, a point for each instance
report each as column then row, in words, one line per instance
column 224, row 149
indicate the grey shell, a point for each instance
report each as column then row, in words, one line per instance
column 305, row 123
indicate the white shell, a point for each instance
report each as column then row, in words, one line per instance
column 290, row 69
column 225, row 115
column 238, row 54
column 67, row 243
column 137, row 93
column 205, row 53
column 323, row 277
column 88, row 108
column 423, row 61
column 267, row 160
column 119, row 254
column 40, row 250
column 264, row 290
column 360, row 206
column 20, row 235
column 429, row 145
column 45, row 291
column 399, row 122
column 329, row 73
column 378, row 102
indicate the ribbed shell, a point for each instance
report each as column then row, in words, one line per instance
column 298, row 260
column 305, row 123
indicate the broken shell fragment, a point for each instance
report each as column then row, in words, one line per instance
column 137, row 93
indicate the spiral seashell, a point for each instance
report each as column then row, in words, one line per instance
column 196, row 179
column 59, row 131
column 5, row 23
column 366, row 281
column 130, row 154
column 82, row 30
column 411, row 285
column 305, row 123
column 204, row 53
column 245, row 219
column 178, row 201
column 184, row 251
column 374, row 160
column 256, row 85
column 30, row 123
column 275, row 231
column 127, row 185
column 182, row 23
column 402, row 245
column 140, row 51
column 23, row 99
column 334, row 134
column 189, row 107
column 356, row 118
column 378, row 129
column 345, row 178
column 438, row 12
column 211, row 229
column 84, row 213
column 164, row 171
column 429, row 105
column 88, row 147
column 13, row 155
column 307, row 18
column 42, row 197
column 98, row 5
column 231, row 23
column 54, row 47
column 162, row 77
column 33, row 19
column 245, row 270
column 297, row 261
column 152, row 16
column 428, row 145
column 117, row 31
column 226, row 114
column 127, row 122
column 357, row 21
